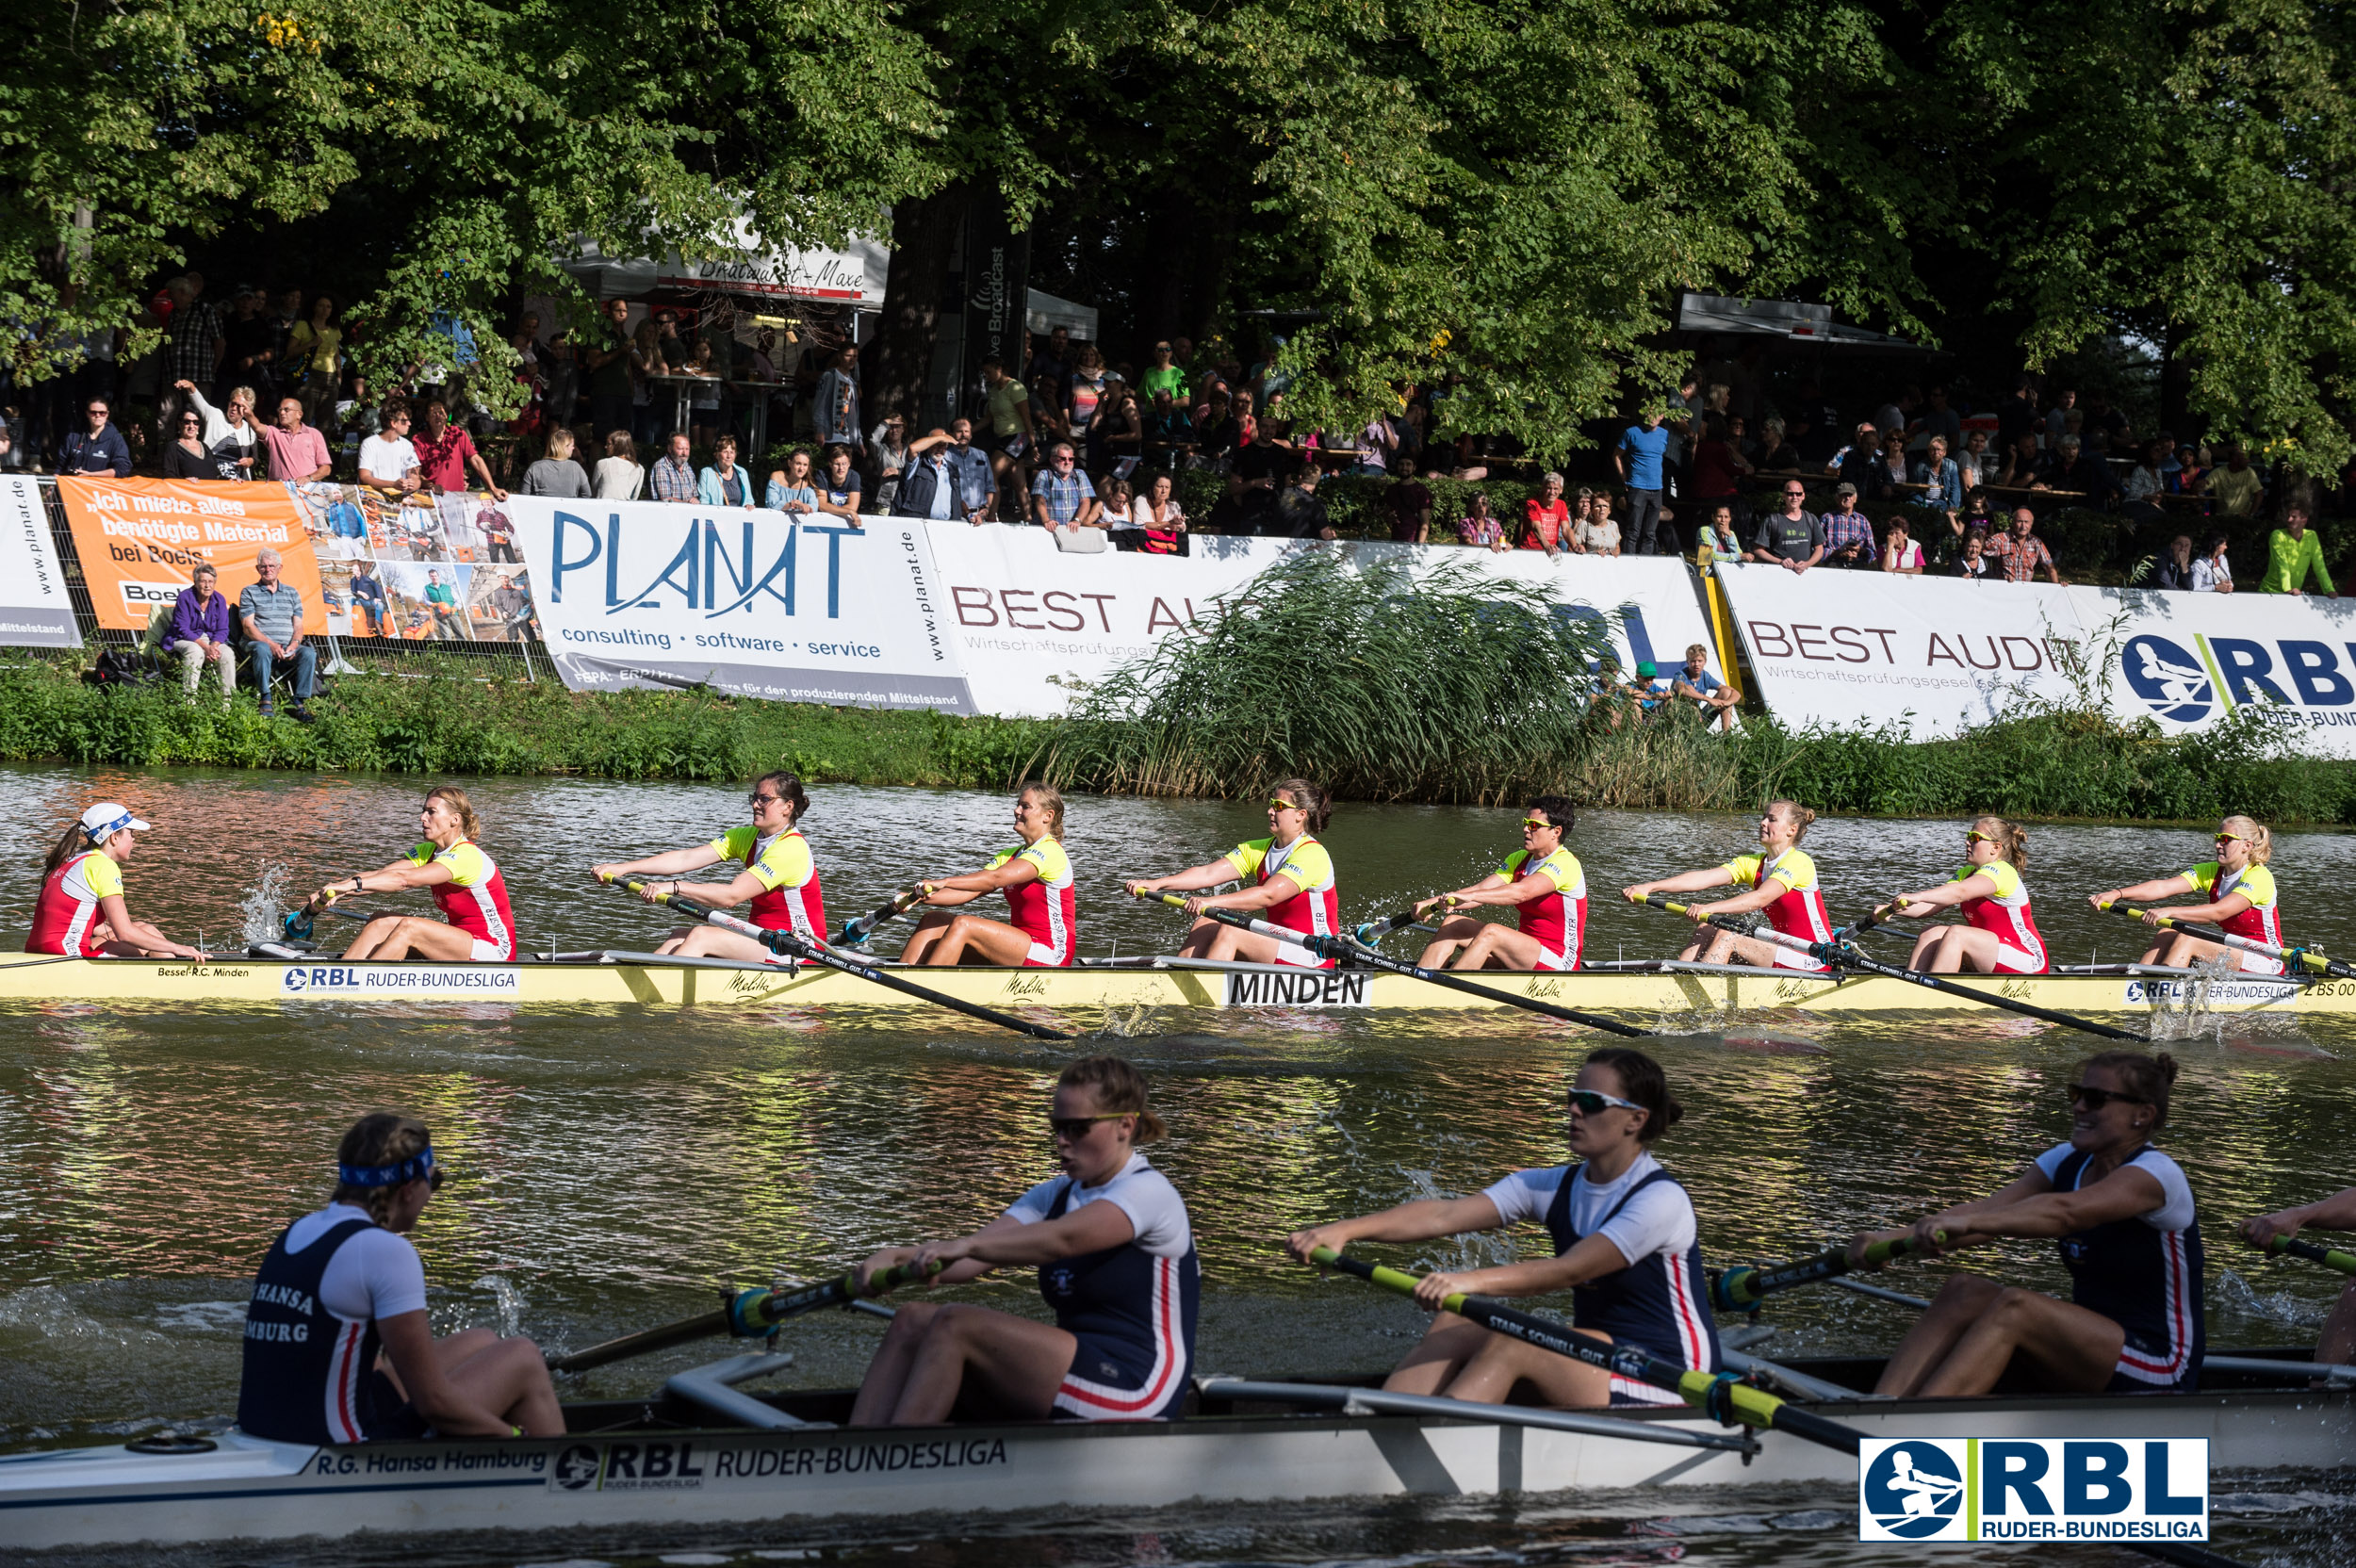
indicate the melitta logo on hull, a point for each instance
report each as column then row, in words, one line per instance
column 2302, row 680
column 2032, row 1489
column 1308, row 988
column 399, row 980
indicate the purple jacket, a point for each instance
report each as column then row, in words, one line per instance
column 189, row 623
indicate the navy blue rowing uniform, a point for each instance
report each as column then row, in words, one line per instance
column 1656, row 1301
column 310, row 1371
column 1133, row 1307
column 2143, row 1273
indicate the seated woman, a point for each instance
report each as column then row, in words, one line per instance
column 1041, row 901
column 1783, row 883
column 1999, row 934
column 1626, row 1245
column 466, row 884
column 2123, row 1214
column 1545, row 883
column 1117, row 1266
column 2243, row 902
column 80, row 911
column 778, row 876
column 1287, row 877
column 341, row 1285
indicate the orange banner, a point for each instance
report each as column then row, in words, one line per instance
column 138, row 539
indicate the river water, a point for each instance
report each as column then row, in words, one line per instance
column 611, row 1168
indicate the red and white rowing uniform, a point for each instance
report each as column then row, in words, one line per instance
column 67, row 917
column 2005, row 916
column 1557, row 920
column 2260, row 922
column 791, row 899
column 1045, row 908
column 474, row 899
column 1316, row 911
column 1800, row 913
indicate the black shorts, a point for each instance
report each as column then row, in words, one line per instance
column 392, row 1418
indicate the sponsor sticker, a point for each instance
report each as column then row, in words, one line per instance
column 1306, row 988
column 2256, row 991
column 2032, row 1489
column 385, row 981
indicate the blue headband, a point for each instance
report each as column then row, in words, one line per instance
column 99, row 835
column 416, row 1164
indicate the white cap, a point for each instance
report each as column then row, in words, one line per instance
column 108, row 818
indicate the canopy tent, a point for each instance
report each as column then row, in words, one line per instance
column 1792, row 321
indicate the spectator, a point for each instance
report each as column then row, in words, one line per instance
column 1480, row 527
column 619, row 473
column 369, row 608
column 837, row 487
column 1777, row 454
column 200, row 634
column 314, row 357
column 1650, row 690
column 1792, row 538
column 446, row 453
column 1299, row 512
column 1939, row 476
column 1855, row 461
column 188, row 456
column 1007, row 407
column 2171, row 571
column 560, row 363
column 1891, row 471
column 297, row 452
column 498, row 530
column 606, row 360
column 834, row 418
column 703, row 392
column 1848, row 532
column 1971, row 565
column 1409, row 502
column 2293, row 554
column 1168, row 432
column 99, row 448
column 1050, row 360
column 1218, row 433
column 1468, row 466
column 2026, row 468
column 1719, row 547
column 977, row 487
column 2057, row 417
column 2145, row 485
column 674, row 474
column 2237, row 490
column 2016, row 417
column 1594, row 533
column 1545, row 519
column 723, row 483
column 1061, row 495
column 1086, row 390
column 1901, row 554
column 1975, row 464
column 389, row 459
column 2191, row 477
column 646, row 364
column 2086, row 473
column 888, row 443
column 1157, row 515
column 1694, row 683
column 249, row 347
column 1718, row 468
column 792, row 488
column 193, row 348
column 1936, row 419
column 1374, row 446
column 2211, row 574
column 928, row 482
column 1162, row 376
column 556, row 474
column 2020, row 552
column 1640, row 459
column 272, row 614
column 1117, row 431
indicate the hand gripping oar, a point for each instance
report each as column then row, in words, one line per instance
column 2331, row 1257
column 1741, row 1289
column 796, row 946
column 1341, row 947
column 2304, row 957
column 300, row 923
column 747, row 1313
column 1844, row 956
column 858, row 931
column 1372, row 933
column 1720, row 1397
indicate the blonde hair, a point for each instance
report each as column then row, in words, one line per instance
column 1800, row 816
column 1049, row 796
column 2012, row 844
column 380, row 1138
column 451, row 795
column 1118, row 1089
column 560, row 441
column 2261, row 840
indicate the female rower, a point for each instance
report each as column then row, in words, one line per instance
column 341, row 1284
column 80, row 912
column 2243, row 901
column 2337, row 1345
column 1626, row 1246
column 464, row 883
column 1782, row 880
column 1036, row 876
column 1120, row 1274
column 1287, row 877
column 1545, row 882
column 2000, row 936
column 777, row 876
column 2123, row 1214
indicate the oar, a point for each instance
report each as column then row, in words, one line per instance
column 747, row 1313
column 1739, row 1289
column 858, row 931
column 300, row 923
column 2331, row 1257
column 1720, row 1397
column 1372, row 933
column 796, row 946
column 2304, row 957
column 1339, row 947
column 1844, row 956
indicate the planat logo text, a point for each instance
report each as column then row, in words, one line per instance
column 2032, row 1489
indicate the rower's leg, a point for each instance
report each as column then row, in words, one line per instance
column 920, row 941
column 1446, row 1347
column 1199, row 939
column 1489, row 1378
column 2337, row 1342
column 1453, row 931
column 373, row 935
column 1926, row 947
column 1500, row 947
column 2076, row 1350
column 511, row 1375
column 888, row 1372
column 1959, row 1301
column 710, row 942
column 969, row 936
column 1014, row 1364
column 415, row 937
column 1250, row 947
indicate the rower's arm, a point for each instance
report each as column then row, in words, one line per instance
column 1194, row 878
column 2335, row 1212
column 395, row 877
column 1683, row 882
column 741, row 889
column 1425, row 1219
column 1769, row 889
column 2207, row 914
column 956, row 1274
column 1494, row 888
column 1089, row 1228
column 1263, row 895
column 975, row 883
column 138, row 933
column 2144, row 893
column 1948, row 894
column 2028, row 1184
column 2123, row 1194
column 409, row 1344
column 669, row 863
column 1592, row 1258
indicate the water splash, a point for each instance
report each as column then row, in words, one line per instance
column 2194, row 1020
column 2233, row 1293
column 507, row 1304
column 261, row 906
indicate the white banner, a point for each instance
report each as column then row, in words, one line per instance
column 35, row 610
column 1034, row 625
column 652, row 594
column 2186, row 658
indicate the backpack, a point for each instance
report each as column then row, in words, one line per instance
column 131, row 666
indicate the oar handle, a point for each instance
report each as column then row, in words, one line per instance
column 2330, row 1257
column 753, row 1314
column 1741, row 1289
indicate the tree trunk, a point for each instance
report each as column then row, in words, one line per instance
column 923, row 241
column 2175, row 388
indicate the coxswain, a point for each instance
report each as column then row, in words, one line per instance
column 1041, row 901
column 1626, row 1245
column 1782, row 882
column 1287, row 878
column 80, row 912
column 1547, row 886
column 2123, row 1214
column 776, row 875
column 2337, row 1345
column 2242, row 900
column 465, row 882
column 2000, row 935
column 1117, row 1266
column 337, row 1348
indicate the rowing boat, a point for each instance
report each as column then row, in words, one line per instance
column 1640, row 991
column 666, row 1461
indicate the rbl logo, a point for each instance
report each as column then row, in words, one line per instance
column 2032, row 1489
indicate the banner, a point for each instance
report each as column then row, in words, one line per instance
column 35, row 609
column 1033, row 625
column 791, row 608
column 997, row 288
column 2185, row 660
column 138, row 539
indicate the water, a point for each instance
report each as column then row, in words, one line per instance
column 610, row 1170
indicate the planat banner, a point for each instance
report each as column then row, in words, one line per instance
column 138, row 539
column 1033, row 625
column 804, row 609
column 36, row 612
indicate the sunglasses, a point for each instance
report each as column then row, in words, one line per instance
column 2231, row 838
column 2096, row 1099
column 1591, row 1103
column 758, row 801
column 1538, row 823
column 1976, row 837
column 1283, row 806
column 1076, row 1127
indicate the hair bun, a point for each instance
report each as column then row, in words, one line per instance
column 1671, row 1114
column 2167, row 1064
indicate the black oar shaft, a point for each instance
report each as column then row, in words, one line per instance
column 749, row 1314
column 1743, row 1288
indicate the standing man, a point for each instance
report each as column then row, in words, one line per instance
column 389, row 459
column 608, row 363
column 1061, row 495
column 1848, row 532
column 1640, row 458
column 928, row 485
column 834, row 421
column 271, row 613
column 976, row 484
column 2237, row 489
column 297, row 451
column 2292, row 555
column 98, row 449
column 2021, row 552
column 446, row 453
column 194, row 350
column 674, row 475
column 1792, row 538
column 1008, row 406
column 200, row 634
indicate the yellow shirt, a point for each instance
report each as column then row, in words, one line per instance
column 785, row 862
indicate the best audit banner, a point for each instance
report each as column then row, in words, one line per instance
column 139, row 539
column 35, row 609
column 754, row 602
